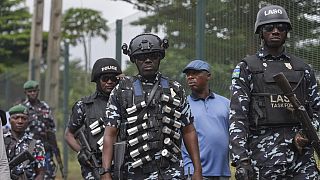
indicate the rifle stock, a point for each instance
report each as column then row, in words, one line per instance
column 79, row 134
column 305, row 120
column 53, row 143
column 23, row 156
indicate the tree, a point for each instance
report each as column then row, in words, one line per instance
column 79, row 25
column 15, row 27
column 228, row 32
column 177, row 19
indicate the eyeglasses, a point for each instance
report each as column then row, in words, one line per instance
column 280, row 26
column 107, row 77
column 151, row 56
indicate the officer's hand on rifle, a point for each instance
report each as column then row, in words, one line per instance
column 244, row 170
column 83, row 157
column 300, row 141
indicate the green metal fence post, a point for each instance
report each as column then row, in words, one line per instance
column 118, row 40
column 200, row 27
column 65, row 105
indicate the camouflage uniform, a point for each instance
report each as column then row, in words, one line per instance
column 79, row 117
column 123, row 97
column 41, row 122
column 271, row 149
column 15, row 146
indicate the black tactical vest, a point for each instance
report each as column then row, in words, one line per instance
column 95, row 109
column 268, row 105
column 153, row 131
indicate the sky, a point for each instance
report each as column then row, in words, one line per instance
column 111, row 10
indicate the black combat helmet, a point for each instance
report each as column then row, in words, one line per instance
column 103, row 66
column 145, row 43
column 271, row 14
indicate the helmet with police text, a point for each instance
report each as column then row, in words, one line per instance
column 145, row 43
column 271, row 14
column 105, row 66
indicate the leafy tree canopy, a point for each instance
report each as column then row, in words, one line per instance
column 15, row 27
column 79, row 25
column 83, row 22
column 229, row 32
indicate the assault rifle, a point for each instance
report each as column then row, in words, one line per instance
column 22, row 157
column 51, row 137
column 91, row 158
column 304, row 118
column 119, row 150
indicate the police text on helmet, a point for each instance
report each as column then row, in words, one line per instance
column 109, row 68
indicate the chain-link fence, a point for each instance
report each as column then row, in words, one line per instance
column 11, row 86
column 229, row 34
column 229, row 37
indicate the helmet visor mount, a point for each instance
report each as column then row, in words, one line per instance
column 145, row 44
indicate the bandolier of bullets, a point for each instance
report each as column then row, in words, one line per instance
column 171, row 128
column 133, row 118
column 140, row 144
column 97, row 129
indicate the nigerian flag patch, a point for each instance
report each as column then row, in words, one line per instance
column 236, row 73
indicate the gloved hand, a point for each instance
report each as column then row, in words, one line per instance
column 83, row 157
column 244, row 170
column 300, row 141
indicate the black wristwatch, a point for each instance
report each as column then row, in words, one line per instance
column 103, row 171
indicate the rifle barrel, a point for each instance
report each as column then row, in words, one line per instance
column 305, row 120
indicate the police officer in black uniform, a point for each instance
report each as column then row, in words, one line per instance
column 87, row 112
column 150, row 114
column 265, row 135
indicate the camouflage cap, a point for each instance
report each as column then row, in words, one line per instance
column 31, row 84
column 18, row 109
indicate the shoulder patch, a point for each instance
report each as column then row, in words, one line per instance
column 236, row 73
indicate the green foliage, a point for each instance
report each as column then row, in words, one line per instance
column 79, row 25
column 15, row 27
column 77, row 79
column 229, row 32
column 82, row 22
column 178, row 20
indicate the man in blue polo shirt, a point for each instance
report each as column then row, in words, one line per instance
column 211, row 120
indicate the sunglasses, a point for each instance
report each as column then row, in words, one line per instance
column 151, row 56
column 280, row 26
column 106, row 78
